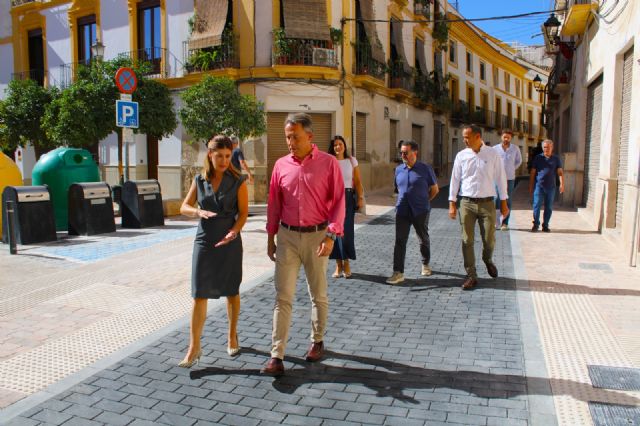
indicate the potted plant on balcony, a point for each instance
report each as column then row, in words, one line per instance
column 441, row 35
column 336, row 36
column 281, row 45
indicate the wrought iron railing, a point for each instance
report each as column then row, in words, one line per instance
column 38, row 75
column 224, row 55
column 422, row 8
column 460, row 112
column 296, row 51
column 365, row 64
column 67, row 72
column 154, row 56
column 15, row 3
column 400, row 78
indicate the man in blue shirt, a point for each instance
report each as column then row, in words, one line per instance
column 237, row 158
column 544, row 169
column 417, row 185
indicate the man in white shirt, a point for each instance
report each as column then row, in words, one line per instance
column 477, row 171
column 511, row 159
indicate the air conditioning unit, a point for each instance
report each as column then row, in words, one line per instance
column 324, row 57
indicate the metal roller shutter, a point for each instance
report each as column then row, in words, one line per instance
column 361, row 136
column 416, row 135
column 592, row 146
column 277, row 144
column 625, row 124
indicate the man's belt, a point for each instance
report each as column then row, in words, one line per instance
column 312, row 228
column 478, row 200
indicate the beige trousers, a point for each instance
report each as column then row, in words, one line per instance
column 485, row 214
column 295, row 249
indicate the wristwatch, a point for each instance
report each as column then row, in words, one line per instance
column 331, row 235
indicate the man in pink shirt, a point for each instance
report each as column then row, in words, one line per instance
column 306, row 212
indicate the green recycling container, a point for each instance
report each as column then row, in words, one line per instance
column 59, row 169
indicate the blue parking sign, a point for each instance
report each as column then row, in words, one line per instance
column 127, row 114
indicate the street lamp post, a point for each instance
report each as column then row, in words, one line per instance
column 97, row 50
column 542, row 88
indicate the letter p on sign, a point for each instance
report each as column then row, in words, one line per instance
column 127, row 114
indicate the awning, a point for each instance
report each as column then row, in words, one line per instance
column 421, row 61
column 211, row 18
column 368, row 15
column 398, row 42
column 306, row 19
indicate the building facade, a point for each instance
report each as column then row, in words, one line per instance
column 374, row 71
column 592, row 106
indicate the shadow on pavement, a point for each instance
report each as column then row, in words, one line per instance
column 391, row 379
column 502, row 283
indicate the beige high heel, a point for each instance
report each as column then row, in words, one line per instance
column 234, row 351
column 185, row 363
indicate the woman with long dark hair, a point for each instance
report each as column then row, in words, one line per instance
column 223, row 207
column 344, row 249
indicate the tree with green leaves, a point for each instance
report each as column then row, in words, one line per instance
column 21, row 115
column 214, row 106
column 93, row 96
column 84, row 113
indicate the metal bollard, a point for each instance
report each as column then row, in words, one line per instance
column 11, row 227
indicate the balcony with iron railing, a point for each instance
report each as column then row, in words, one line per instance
column 401, row 78
column 15, row 3
column 517, row 125
column 422, row 8
column 224, row 55
column 38, row 75
column 365, row 64
column 460, row 112
column 297, row 51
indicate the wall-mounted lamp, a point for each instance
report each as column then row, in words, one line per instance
column 307, row 107
column 541, row 88
column 386, row 113
column 552, row 34
column 341, row 95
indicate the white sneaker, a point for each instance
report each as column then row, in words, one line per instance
column 396, row 278
column 426, row 270
column 504, row 227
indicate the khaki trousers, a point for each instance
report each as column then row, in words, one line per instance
column 295, row 249
column 485, row 214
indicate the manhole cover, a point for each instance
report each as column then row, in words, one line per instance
column 615, row 377
column 614, row 415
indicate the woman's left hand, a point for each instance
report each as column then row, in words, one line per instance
column 359, row 203
column 231, row 235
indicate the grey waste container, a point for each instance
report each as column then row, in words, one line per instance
column 35, row 221
column 141, row 204
column 90, row 209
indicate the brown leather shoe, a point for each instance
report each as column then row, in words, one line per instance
column 275, row 367
column 492, row 270
column 469, row 283
column 316, row 351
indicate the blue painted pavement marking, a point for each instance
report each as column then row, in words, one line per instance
column 92, row 249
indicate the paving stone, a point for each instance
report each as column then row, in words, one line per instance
column 207, row 415
column 81, row 411
column 110, row 418
column 78, row 421
column 143, row 413
column 51, row 417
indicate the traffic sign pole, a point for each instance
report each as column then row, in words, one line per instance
column 126, row 116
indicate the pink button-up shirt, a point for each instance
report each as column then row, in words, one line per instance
column 307, row 192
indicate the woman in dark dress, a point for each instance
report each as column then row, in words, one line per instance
column 344, row 248
column 222, row 206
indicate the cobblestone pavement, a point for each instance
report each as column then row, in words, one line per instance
column 108, row 334
column 420, row 353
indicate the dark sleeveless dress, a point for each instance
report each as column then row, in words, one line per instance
column 217, row 271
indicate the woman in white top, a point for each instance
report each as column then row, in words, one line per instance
column 344, row 248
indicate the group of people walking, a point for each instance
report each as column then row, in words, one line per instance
column 313, row 197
